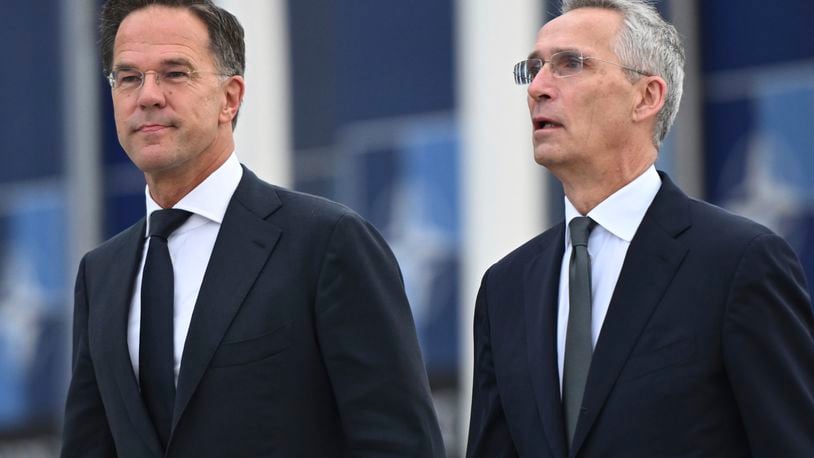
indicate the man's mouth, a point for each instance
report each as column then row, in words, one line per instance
column 545, row 124
column 151, row 128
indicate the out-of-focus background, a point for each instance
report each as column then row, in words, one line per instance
column 404, row 110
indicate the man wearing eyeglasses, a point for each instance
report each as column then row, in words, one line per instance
column 647, row 324
column 239, row 319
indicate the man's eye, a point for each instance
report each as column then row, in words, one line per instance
column 571, row 62
column 129, row 79
column 176, row 76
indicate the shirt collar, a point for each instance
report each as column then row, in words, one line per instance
column 211, row 197
column 623, row 211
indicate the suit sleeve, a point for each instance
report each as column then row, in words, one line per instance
column 369, row 344
column 769, row 350
column 85, row 432
column 488, row 432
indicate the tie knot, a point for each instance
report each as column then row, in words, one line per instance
column 581, row 228
column 164, row 222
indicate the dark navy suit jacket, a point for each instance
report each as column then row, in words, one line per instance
column 707, row 349
column 301, row 344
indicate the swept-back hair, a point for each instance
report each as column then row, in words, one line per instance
column 649, row 43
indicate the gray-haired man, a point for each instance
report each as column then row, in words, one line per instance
column 647, row 324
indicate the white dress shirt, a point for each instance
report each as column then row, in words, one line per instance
column 617, row 217
column 190, row 247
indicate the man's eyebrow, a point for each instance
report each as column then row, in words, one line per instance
column 537, row 55
column 174, row 62
column 123, row 66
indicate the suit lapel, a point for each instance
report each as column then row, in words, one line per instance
column 243, row 245
column 114, row 302
column 542, row 277
column 650, row 265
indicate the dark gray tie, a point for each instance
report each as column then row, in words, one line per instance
column 578, row 347
column 156, row 355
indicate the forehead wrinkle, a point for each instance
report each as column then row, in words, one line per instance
column 136, row 32
column 178, row 55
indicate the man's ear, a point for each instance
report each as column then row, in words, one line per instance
column 651, row 93
column 233, row 89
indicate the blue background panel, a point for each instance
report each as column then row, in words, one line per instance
column 31, row 88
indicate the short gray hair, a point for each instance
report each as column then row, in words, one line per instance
column 648, row 43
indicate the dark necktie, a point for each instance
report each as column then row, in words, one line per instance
column 578, row 347
column 156, row 357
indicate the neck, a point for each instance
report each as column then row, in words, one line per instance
column 587, row 191
column 168, row 188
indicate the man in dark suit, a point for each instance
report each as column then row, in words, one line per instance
column 239, row 319
column 647, row 324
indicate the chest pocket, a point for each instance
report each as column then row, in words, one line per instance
column 245, row 351
column 673, row 353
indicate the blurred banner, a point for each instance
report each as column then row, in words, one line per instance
column 34, row 285
column 759, row 115
column 403, row 176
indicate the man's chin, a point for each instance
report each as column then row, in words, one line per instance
column 151, row 159
column 547, row 156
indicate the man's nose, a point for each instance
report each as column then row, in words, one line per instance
column 150, row 92
column 542, row 84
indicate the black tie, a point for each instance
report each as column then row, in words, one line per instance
column 578, row 347
column 156, row 356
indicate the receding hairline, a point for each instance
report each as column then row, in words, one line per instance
column 615, row 34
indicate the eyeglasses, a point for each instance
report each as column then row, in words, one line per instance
column 127, row 80
column 562, row 65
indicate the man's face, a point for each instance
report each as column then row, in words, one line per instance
column 166, row 129
column 581, row 123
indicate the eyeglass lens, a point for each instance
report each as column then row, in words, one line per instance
column 563, row 64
